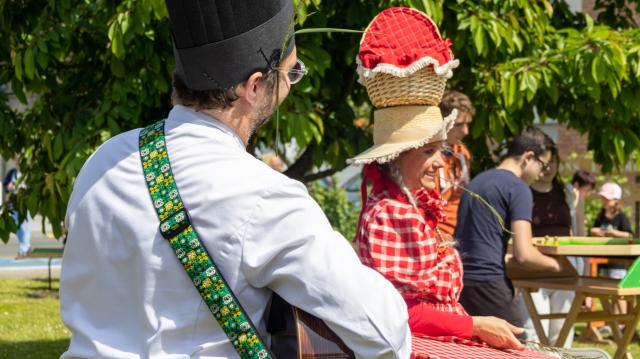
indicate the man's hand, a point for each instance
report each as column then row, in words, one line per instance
column 497, row 332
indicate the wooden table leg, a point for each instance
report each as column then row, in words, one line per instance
column 609, row 304
column 569, row 320
column 535, row 317
column 628, row 333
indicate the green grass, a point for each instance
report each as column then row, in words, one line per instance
column 634, row 347
column 30, row 325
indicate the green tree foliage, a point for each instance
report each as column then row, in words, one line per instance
column 92, row 69
column 341, row 213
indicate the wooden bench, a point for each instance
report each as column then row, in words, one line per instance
column 46, row 252
column 606, row 289
column 591, row 333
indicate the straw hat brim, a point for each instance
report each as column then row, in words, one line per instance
column 390, row 150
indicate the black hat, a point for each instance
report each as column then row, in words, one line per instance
column 220, row 43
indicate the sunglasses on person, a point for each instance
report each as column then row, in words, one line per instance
column 296, row 73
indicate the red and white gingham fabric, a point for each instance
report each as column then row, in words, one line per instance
column 395, row 239
column 400, row 41
column 429, row 348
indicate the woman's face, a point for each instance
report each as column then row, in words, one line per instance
column 419, row 167
column 548, row 175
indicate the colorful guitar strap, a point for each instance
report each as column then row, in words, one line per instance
column 175, row 226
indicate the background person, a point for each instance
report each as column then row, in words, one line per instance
column 582, row 185
column 10, row 185
column 612, row 222
column 484, row 242
column 456, row 158
column 553, row 206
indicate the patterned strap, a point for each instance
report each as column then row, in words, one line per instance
column 175, row 226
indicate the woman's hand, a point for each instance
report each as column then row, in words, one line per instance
column 497, row 332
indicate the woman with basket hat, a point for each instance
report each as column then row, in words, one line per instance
column 404, row 63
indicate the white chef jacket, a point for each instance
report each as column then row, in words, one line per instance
column 123, row 294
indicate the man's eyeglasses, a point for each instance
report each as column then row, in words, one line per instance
column 544, row 165
column 296, row 73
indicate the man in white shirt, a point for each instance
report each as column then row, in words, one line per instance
column 123, row 292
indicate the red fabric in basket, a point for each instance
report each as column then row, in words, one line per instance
column 431, row 348
column 400, row 36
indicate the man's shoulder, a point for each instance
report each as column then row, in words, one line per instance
column 499, row 177
column 111, row 152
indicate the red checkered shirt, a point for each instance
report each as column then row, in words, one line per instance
column 395, row 239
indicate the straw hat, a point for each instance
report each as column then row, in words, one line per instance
column 401, row 128
column 404, row 63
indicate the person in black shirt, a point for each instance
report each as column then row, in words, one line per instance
column 611, row 221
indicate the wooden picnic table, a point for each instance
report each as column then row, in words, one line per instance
column 607, row 290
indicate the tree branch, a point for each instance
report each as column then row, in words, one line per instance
column 319, row 175
column 302, row 165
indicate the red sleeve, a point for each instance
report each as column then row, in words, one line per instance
column 424, row 320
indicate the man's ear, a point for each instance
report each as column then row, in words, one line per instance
column 248, row 90
column 528, row 155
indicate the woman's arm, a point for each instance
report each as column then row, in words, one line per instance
column 610, row 232
column 497, row 332
column 425, row 320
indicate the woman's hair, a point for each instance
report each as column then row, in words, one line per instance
column 584, row 178
column 391, row 169
column 550, row 145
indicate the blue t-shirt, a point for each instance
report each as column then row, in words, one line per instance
column 482, row 242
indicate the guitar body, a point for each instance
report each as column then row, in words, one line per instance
column 296, row 334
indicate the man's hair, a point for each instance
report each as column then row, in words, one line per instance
column 584, row 178
column 530, row 139
column 212, row 99
column 456, row 100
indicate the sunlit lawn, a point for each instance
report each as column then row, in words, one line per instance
column 30, row 325
column 634, row 347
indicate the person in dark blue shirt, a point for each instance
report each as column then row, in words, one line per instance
column 483, row 234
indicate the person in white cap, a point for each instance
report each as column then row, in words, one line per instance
column 611, row 221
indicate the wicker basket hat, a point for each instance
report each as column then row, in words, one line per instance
column 403, row 60
column 404, row 64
